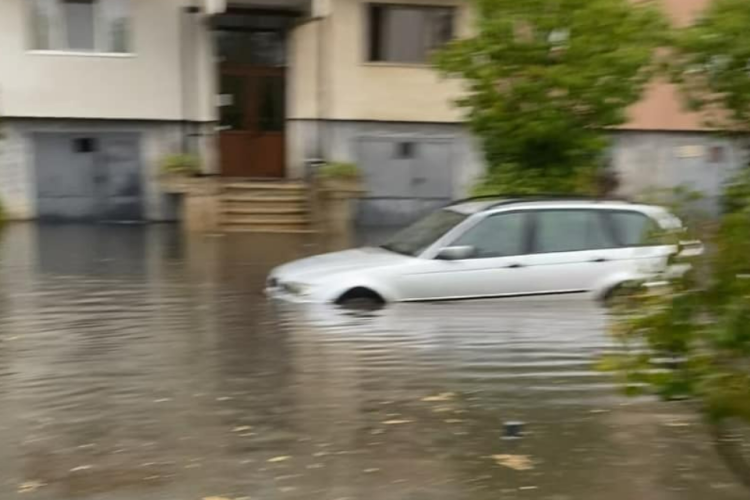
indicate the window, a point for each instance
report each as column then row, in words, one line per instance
column 570, row 231
column 404, row 150
column 407, row 33
column 633, row 228
column 497, row 236
column 81, row 25
column 716, row 154
column 84, row 145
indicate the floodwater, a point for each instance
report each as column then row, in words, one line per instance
column 136, row 365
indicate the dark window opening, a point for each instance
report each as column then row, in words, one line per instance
column 407, row 33
column 405, row 150
column 84, row 145
column 717, row 154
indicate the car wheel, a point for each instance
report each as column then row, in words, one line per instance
column 361, row 298
column 618, row 293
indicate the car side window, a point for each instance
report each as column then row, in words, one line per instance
column 501, row 235
column 633, row 228
column 570, row 231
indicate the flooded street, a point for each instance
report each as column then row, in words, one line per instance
column 136, row 365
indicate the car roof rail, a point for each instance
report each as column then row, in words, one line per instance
column 507, row 198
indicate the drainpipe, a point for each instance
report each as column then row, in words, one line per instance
column 321, row 70
column 187, row 37
column 322, row 140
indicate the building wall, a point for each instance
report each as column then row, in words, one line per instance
column 147, row 84
column 355, row 89
column 17, row 171
column 698, row 161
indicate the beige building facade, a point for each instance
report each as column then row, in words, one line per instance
column 94, row 93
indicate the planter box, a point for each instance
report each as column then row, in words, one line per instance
column 178, row 184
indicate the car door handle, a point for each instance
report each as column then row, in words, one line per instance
column 599, row 260
column 515, row 266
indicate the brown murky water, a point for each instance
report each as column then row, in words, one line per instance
column 137, row 366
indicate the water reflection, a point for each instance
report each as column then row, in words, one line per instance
column 134, row 364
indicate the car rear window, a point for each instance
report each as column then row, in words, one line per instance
column 571, row 230
column 633, row 228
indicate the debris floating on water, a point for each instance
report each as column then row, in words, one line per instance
column 515, row 462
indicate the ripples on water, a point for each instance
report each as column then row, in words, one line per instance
column 133, row 366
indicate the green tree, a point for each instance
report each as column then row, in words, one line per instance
column 690, row 337
column 544, row 81
column 711, row 62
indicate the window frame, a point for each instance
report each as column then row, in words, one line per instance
column 60, row 34
column 616, row 231
column 367, row 50
column 526, row 233
column 601, row 218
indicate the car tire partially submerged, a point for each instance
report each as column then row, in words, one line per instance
column 360, row 298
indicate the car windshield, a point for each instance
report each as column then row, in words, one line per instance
column 416, row 238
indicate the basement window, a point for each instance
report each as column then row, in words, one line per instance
column 404, row 150
column 84, row 145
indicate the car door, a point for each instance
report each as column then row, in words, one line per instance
column 572, row 251
column 497, row 268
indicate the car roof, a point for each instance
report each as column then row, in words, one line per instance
column 477, row 205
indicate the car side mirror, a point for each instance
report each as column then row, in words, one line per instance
column 456, row 253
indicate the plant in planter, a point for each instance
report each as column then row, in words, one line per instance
column 3, row 216
column 185, row 165
column 341, row 176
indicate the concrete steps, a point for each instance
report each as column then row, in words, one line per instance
column 265, row 207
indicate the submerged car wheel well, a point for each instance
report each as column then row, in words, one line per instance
column 610, row 296
column 360, row 294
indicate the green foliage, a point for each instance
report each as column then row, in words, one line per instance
column 181, row 164
column 3, row 216
column 339, row 170
column 545, row 79
column 685, row 203
column 690, row 336
column 711, row 62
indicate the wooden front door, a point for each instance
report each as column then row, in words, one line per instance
column 252, row 139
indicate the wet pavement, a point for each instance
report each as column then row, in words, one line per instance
column 136, row 365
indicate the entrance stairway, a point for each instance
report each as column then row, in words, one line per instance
column 265, row 206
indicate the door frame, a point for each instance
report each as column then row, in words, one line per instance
column 238, row 69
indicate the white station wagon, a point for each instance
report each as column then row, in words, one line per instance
column 483, row 248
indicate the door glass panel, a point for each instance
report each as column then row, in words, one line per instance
column 271, row 104
column 253, row 48
column 496, row 236
column 570, row 231
column 232, row 110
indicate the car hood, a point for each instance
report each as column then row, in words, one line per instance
column 320, row 266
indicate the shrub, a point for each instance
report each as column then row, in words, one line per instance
column 340, row 170
column 689, row 337
column 181, row 164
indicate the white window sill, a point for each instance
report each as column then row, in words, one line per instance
column 73, row 53
column 385, row 64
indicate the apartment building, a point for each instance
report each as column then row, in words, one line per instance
column 93, row 93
